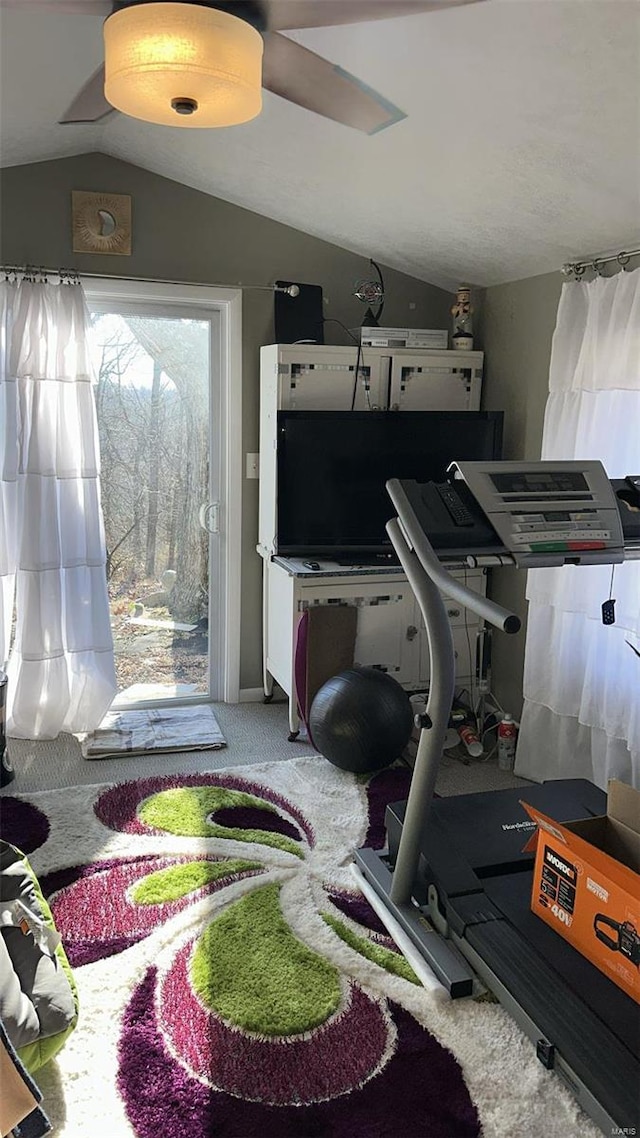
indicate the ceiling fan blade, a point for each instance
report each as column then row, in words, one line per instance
column 75, row 7
column 283, row 15
column 89, row 104
column 299, row 75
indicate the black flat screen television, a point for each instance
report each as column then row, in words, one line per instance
column 333, row 465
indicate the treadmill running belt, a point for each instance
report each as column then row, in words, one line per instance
column 614, row 1007
column 597, row 1057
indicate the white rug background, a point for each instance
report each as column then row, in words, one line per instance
column 513, row 1093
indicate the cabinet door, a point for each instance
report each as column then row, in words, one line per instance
column 465, row 641
column 385, row 614
column 466, row 628
column 435, row 381
column 334, row 379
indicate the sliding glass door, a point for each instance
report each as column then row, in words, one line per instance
column 162, row 401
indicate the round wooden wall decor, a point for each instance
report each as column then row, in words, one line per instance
column 101, row 223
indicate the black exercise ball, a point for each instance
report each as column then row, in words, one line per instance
column 361, row 720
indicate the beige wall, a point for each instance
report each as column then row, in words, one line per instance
column 515, row 325
column 182, row 234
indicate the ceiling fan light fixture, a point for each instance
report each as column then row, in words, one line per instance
column 182, row 64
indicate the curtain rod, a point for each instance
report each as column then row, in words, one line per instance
column 292, row 290
column 596, row 263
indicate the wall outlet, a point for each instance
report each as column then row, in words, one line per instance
column 253, row 466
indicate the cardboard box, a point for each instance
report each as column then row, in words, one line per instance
column 434, row 338
column 586, row 884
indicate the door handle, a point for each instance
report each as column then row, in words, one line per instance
column 209, row 517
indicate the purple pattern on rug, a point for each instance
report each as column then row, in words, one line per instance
column 251, row 818
column 420, row 1091
column 97, row 918
column 304, row 1068
column 23, row 824
column 60, row 878
column 117, row 807
column 355, row 906
column 390, row 785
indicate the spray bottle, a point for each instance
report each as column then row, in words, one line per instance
column 507, row 736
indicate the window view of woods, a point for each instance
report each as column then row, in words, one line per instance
column 152, row 401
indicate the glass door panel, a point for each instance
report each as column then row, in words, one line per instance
column 154, row 405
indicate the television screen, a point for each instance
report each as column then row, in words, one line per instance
column 333, row 466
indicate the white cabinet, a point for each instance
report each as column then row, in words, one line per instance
column 312, row 377
column 435, row 381
column 390, row 632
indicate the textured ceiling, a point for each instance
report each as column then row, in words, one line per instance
column 521, row 149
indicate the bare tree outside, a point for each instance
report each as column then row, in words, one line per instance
column 152, row 401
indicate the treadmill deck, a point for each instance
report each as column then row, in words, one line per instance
column 472, row 851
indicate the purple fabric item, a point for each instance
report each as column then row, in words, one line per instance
column 117, row 807
column 22, row 824
column 300, row 668
column 420, row 1091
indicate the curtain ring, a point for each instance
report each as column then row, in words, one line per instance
column 623, row 260
column 579, row 270
column 597, row 267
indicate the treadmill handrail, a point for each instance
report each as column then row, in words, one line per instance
column 417, row 539
column 429, row 579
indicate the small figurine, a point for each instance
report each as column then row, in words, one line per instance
column 462, row 334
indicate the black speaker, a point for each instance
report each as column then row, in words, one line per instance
column 298, row 317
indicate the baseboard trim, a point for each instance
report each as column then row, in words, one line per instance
column 250, row 695
column 256, row 695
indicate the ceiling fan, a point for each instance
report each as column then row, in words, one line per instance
column 280, row 64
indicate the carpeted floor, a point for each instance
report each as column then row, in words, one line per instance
column 254, row 733
column 232, row 983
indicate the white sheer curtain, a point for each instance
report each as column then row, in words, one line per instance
column 581, row 716
column 52, row 549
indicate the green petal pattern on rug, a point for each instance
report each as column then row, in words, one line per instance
column 185, row 811
column 384, row 957
column 180, row 880
column 250, row 968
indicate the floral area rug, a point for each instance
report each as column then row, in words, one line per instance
column 234, row 984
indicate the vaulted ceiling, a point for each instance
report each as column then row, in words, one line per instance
column 521, row 149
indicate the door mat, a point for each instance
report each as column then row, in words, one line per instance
column 125, row 733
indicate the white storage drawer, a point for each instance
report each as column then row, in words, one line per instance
column 385, row 612
column 435, row 381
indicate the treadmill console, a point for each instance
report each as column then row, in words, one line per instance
column 548, row 513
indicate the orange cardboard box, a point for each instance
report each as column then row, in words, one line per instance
column 586, row 884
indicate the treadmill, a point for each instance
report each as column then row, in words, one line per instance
column 453, row 883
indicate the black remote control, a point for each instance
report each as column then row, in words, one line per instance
column 456, row 507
